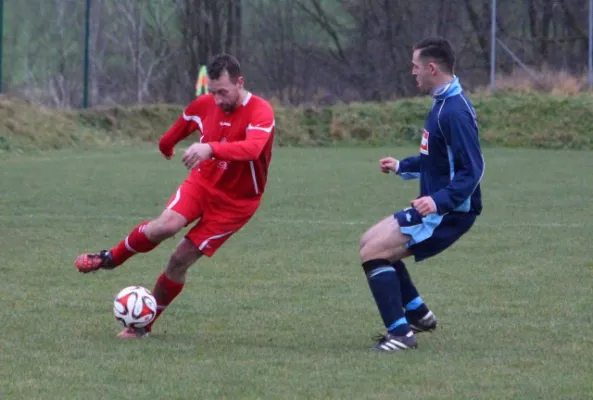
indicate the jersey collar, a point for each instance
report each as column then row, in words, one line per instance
column 450, row 89
column 247, row 98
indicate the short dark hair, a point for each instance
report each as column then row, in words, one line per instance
column 221, row 63
column 439, row 49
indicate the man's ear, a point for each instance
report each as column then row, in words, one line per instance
column 432, row 67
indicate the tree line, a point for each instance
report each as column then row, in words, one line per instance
column 296, row 51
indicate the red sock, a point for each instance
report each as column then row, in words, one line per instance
column 135, row 242
column 165, row 290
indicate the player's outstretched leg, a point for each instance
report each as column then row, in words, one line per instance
column 419, row 316
column 380, row 246
column 142, row 239
column 169, row 284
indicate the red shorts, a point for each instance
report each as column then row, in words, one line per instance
column 218, row 217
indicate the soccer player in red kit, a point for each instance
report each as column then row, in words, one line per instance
column 228, row 174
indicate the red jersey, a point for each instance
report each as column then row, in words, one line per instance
column 241, row 144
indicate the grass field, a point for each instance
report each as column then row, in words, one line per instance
column 283, row 310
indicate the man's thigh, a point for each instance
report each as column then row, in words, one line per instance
column 217, row 225
column 187, row 201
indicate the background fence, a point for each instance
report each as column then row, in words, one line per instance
column 74, row 53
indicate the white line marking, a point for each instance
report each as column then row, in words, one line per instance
column 265, row 220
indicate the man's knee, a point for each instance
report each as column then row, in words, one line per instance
column 371, row 234
column 166, row 225
column 371, row 245
column 383, row 241
column 393, row 254
column 366, row 251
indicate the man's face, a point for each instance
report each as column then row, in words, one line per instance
column 226, row 92
column 423, row 71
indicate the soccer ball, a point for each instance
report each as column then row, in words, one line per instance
column 134, row 307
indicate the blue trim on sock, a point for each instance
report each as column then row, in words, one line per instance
column 397, row 323
column 381, row 270
column 414, row 304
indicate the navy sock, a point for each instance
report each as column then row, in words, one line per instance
column 413, row 303
column 384, row 285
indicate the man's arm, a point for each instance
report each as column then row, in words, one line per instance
column 185, row 125
column 468, row 162
column 259, row 132
column 409, row 168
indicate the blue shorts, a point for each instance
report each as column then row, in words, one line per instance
column 434, row 233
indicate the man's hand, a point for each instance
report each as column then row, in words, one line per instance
column 425, row 205
column 195, row 153
column 388, row 164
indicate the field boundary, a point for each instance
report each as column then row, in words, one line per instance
column 507, row 119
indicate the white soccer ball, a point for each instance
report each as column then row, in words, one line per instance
column 134, row 307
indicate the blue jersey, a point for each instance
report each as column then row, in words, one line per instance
column 450, row 164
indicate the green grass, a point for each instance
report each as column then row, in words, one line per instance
column 283, row 310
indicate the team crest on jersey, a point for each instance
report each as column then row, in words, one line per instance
column 424, row 142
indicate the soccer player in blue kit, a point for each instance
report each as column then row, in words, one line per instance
column 450, row 167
